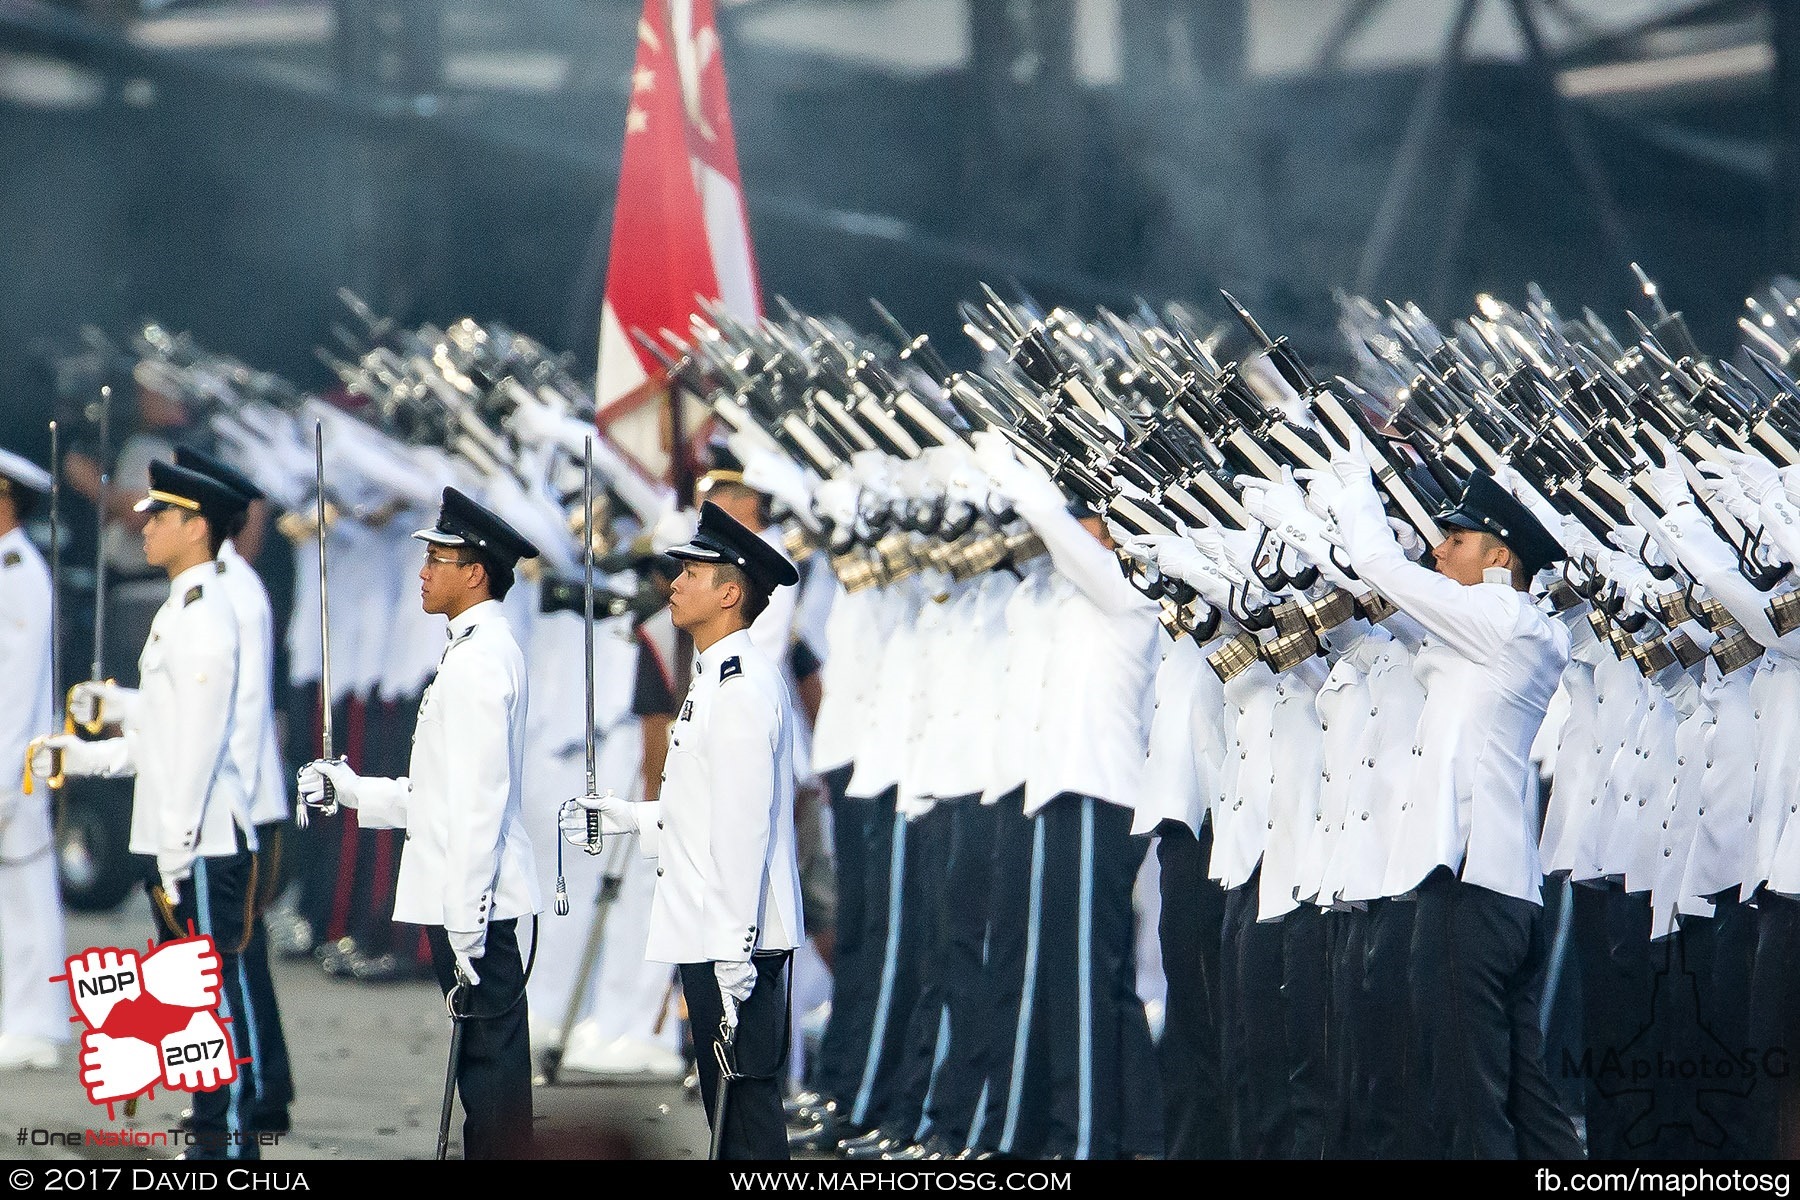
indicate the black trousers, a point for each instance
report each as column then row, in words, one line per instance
column 217, row 901
column 924, row 940
column 997, row 1118
column 1346, row 948
column 1081, row 1081
column 493, row 1072
column 1385, row 1111
column 846, row 1034
column 272, row 1069
column 1612, row 945
column 1189, row 928
column 956, row 1085
column 1775, row 1022
column 1255, row 1048
column 1478, row 964
column 1731, row 934
column 1305, row 1011
column 754, row 1125
column 895, row 973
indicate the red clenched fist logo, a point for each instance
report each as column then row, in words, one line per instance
column 150, row 1019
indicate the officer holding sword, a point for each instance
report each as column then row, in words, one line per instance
column 467, row 873
column 191, row 805
column 727, row 904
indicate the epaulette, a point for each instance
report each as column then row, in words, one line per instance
column 193, row 594
column 729, row 668
column 12, row 559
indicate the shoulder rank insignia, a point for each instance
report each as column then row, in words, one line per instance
column 193, row 594
column 687, row 711
column 12, row 559
column 730, row 667
column 218, row 566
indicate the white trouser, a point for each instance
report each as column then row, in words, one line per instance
column 31, row 945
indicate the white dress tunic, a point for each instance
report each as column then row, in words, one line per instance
column 727, row 879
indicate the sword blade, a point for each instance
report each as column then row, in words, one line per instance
column 56, row 571
column 95, row 672
column 325, row 732
column 587, row 602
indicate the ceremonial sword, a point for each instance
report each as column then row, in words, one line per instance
column 325, row 738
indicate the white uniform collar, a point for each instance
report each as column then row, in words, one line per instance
column 14, row 536
column 197, row 574
column 707, row 662
column 475, row 614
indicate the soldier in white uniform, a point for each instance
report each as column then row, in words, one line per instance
column 467, row 873
column 1466, row 842
column 34, row 1014
column 256, row 748
column 191, row 808
column 727, row 907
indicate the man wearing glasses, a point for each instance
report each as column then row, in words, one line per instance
column 467, row 872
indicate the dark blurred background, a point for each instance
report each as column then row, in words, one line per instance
column 225, row 167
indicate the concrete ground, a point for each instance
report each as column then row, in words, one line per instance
column 369, row 1065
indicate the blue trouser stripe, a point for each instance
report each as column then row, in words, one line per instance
column 1084, row 1000
column 203, row 904
column 937, row 1064
column 890, row 966
column 1033, row 920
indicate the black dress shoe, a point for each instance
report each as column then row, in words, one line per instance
column 337, row 957
column 877, row 1143
column 795, row 1107
column 917, row 1152
column 824, row 1110
column 821, row 1137
column 374, row 968
column 270, row 1120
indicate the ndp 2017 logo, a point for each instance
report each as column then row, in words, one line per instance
column 151, row 1019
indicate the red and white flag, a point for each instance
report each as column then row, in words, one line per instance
column 679, row 227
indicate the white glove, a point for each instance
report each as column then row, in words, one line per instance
column 1024, row 484
column 1411, row 544
column 1529, row 496
column 674, row 527
column 616, row 816
column 532, row 421
column 1282, row 509
column 774, row 475
column 1179, row 558
column 1668, row 482
column 171, row 868
column 736, row 981
column 835, row 502
column 344, row 781
column 1756, row 475
column 1728, row 490
column 104, row 758
column 1579, row 541
column 1350, row 460
column 105, row 703
column 467, row 947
